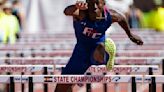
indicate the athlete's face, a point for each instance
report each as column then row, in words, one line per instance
column 95, row 8
column 100, row 4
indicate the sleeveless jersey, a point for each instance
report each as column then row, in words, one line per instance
column 89, row 32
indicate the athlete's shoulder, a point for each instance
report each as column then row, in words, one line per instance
column 116, row 15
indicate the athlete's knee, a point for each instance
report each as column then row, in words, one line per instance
column 102, row 49
column 99, row 53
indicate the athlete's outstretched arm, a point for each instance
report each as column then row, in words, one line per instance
column 70, row 10
column 121, row 19
column 77, row 10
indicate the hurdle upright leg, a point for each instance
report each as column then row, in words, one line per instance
column 163, row 74
column 133, row 84
column 30, row 85
column 12, row 86
column 105, row 85
column 88, row 88
column 153, row 84
column 150, row 73
column 45, row 85
column 22, row 84
column 7, row 88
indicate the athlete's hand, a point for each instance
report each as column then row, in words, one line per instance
column 136, row 39
column 81, row 5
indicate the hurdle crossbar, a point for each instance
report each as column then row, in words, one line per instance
column 120, row 68
column 70, row 78
column 158, row 78
column 93, row 68
column 81, row 78
column 25, row 68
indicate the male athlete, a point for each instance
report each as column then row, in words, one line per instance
column 90, row 20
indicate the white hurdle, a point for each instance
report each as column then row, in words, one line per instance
column 45, row 69
column 119, row 68
column 66, row 79
column 73, row 79
column 25, row 68
column 53, row 61
column 93, row 68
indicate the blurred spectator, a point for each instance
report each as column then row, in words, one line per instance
column 19, row 12
column 145, row 5
column 134, row 16
column 11, row 23
column 3, row 25
column 152, row 13
column 159, row 19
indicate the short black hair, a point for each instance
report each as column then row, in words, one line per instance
column 89, row 1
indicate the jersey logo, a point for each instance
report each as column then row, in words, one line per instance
column 83, row 23
column 90, row 32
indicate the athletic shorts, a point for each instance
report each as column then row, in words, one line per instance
column 82, row 59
